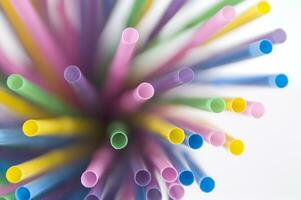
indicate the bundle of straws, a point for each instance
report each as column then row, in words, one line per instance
column 81, row 121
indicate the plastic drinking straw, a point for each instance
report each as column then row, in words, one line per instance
column 256, row 11
column 25, row 88
column 277, row 36
column 81, row 86
column 28, row 42
column 172, row 9
column 235, row 54
column 47, row 182
column 10, row 196
column 61, row 126
column 79, row 193
column 142, row 176
column 185, row 177
column 15, row 138
column 136, row 12
column 160, row 161
column 46, row 162
column 235, row 146
column 98, row 167
column 157, row 125
column 193, row 140
column 152, row 190
column 119, row 68
column 19, row 106
column 254, row 109
column 96, row 192
column 201, row 35
column 216, row 105
column 172, row 80
column 206, row 183
column 175, row 190
column 271, row 80
column 131, row 100
column 107, row 8
column 118, row 133
column 46, row 43
column 127, row 189
column 237, row 105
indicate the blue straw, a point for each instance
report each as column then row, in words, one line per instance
column 108, row 6
column 273, row 80
column 193, row 140
column 47, row 182
column 205, row 183
column 140, row 193
column 235, row 54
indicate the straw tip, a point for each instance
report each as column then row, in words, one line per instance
column 217, row 139
column 176, row 191
column 130, row 35
column 228, row 12
column 264, row 7
column 23, row 193
column 15, row 82
column 195, row 141
column 186, row 75
column 14, row 174
column 72, row 74
column 279, row 35
column 207, row 184
column 89, row 179
column 119, row 140
column 142, row 177
column 266, row 46
column 257, row 110
column 236, row 147
column 30, row 128
column 176, row 136
column 145, row 90
column 153, row 194
column 281, row 81
column 239, row 105
column 217, row 105
column 169, row 174
column 186, row 178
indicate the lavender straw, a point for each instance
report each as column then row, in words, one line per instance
column 142, row 176
column 153, row 191
column 277, row 36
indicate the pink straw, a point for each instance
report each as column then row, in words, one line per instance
column 175, row 191
column 133, row 99
column 100, row 163
column 119, row 68
column 160, row 160
column 203, row 34
column 254, row 109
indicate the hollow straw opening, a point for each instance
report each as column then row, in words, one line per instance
column 263, row 7
column 169, row 174
column 92, row 197
column 89, row 179
column 279, row 36
column 236, row 147
column 176, row 191
column 217, row 105
column 228, row 13
column 281, row 81
column 145, row 91
column 217, row 139
column 15, row 82
column 257, row 110
column 239, row 105
column 265, row 47
column 72, row 74
column 153, row 194
column 186, row 178
column 186, row 75
column 14, row 174
column 130, row 35
column 176, row 136
column 195, row 141
column 30, row 128
column 207, row 184
column 23, row 193
column 119, row 140
column 142, row 178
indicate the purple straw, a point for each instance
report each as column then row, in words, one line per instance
column 171, row 11
column 153, row 191
column 172, row 80
column 277, row 36
column 83, row 89
column 96, row 192
column 142, row 176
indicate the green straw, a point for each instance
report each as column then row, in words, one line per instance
column 10, row 196
column 25, row 88
column 215, row 105
column 196, row 20
column 118, row 133
column 135, row 12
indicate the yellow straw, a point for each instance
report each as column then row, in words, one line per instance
column 64, row 126
column 237, row 105
column 148, row 4
column 249, row 15
column 172, row 133
column 19, row 106
column 46, row 162
column 235, row 146
column 27, row 41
